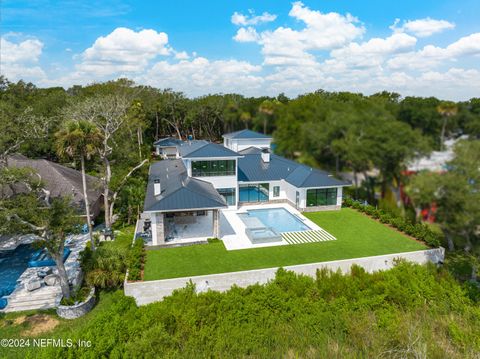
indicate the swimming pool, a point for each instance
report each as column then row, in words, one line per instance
column 14, row 263
column 279, row 219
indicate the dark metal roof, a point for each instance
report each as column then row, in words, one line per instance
column 245, row 134
column 201, row 149
column 167, row 142
column 251, row 168
column 178, row 191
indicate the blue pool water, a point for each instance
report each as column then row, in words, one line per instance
column 12, row 265
column 252, row 194
column 279, row 219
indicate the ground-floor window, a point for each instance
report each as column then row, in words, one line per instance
column 228, row 194
column 321, row 197
column 276, row 191
column 254, row 192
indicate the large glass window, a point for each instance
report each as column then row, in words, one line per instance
column 228, row 194
column 254, row 193
column 213, row 168
column 321, row 197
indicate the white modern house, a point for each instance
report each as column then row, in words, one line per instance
column 205, row 190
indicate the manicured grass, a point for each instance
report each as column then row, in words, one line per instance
column 357, row 236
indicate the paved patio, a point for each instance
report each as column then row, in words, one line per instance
column 47, row 296
column 239, row 239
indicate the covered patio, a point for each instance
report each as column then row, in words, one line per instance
column 184, row 226
column 181, row 209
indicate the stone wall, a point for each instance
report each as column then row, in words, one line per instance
column 78, row 310
column 152, row 291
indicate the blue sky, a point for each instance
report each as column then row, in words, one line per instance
column 250, row 47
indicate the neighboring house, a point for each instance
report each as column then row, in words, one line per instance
column 62, row 181
column 166, row 147
column 190, row 192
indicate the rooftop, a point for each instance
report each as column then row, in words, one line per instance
column 245, row 134
column 251, row 168
column 178, row 191
column 168, row 142
column 203, row 149
column 60, row 180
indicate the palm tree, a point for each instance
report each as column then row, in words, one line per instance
column 267, row 108
column 446, row 109
column 80, row 140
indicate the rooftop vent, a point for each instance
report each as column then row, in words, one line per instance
column 157, row 189
column 266, row 155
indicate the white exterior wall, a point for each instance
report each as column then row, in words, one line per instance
column 339, row 196
column 153, row 220
column 217, row 181
column 290, row 192
column 283, row 194
column 241, row 144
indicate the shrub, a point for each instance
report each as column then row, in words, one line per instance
column 135, row 260
column 104, row 268
column 419, row 231
column 213, row 240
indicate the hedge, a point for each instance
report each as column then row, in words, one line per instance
column 136, row 260
column 419, row 231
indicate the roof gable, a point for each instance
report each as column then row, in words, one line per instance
column 167, row 142
column 246, row 134
column 179, row 192
column 211, row 150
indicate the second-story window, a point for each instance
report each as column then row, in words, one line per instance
column 213, row 168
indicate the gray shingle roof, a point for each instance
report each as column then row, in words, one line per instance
column 60, row 180
column 179, row 192
column 199, row 149
column 251, row 168
column 245, row 134
column 167, row 142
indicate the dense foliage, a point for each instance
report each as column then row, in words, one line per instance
column 136, row 259
column 419, row 231
column 410, row 311
column 106, row 266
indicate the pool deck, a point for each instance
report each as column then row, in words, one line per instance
column 46, row 296
column 239, row 239
column 11, row 243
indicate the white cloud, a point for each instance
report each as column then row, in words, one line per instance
column 248, row 34
column 19, row 60
column 285, row 46
column 374, row 51
column 27, row 51
column 200, row 76
column 431, row 56
column 124, row 50
column 252, row 19
column 423, row 27
column 182, row 55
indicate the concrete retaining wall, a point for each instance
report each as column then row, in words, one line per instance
column 152, row 291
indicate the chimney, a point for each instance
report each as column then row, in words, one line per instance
column 157, row 189
column 266, row 155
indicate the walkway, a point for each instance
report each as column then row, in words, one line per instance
column 307, row 236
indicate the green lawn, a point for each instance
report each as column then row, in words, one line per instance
column 357, row 236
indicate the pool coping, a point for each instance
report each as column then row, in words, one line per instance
column 240, row 240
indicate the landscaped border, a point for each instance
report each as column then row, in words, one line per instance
column 155, row 290
column 419, row 231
